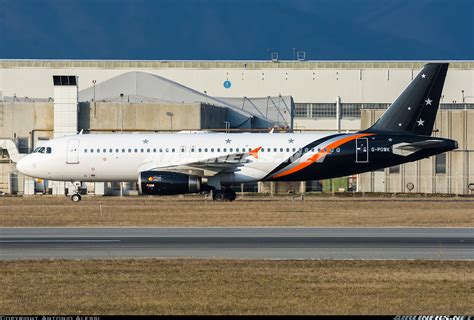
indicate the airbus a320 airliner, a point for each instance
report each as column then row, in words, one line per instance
column 168, row 164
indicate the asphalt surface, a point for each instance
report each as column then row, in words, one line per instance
column 238, row 243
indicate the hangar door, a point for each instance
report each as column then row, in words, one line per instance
column 72, row 155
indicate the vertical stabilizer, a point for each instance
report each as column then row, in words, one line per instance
column 415, row 109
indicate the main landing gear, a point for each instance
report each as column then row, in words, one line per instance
column 224, row 195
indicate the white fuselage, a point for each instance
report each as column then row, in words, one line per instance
column 120, row 157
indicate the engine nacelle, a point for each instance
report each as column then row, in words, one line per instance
column 168, row 183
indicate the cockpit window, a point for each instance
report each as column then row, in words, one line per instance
column 43, row 150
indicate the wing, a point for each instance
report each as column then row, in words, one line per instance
column 207, row 167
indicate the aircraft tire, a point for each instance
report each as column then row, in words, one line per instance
column 218, row 195
column 76, row 197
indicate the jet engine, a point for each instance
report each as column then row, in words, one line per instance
column 168, row 183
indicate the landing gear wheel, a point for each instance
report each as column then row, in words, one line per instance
column 76, row 197
column 218, row 195
column 224, row 195
column 231, row 195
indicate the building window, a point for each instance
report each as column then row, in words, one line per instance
column 440, row 167
column 302, row 110
column 394, row 169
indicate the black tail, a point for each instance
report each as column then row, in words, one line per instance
column 415, row 109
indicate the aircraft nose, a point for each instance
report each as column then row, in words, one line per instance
column 22, row 166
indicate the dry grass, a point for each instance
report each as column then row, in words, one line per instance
column 173, row 211
column 236, row 287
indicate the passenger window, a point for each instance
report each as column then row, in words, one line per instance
column 225, row 150
column 123, row 150
column 212, row 149
column 281, row 149
column 199, row 150
column 154, row 150
column 92, row 150
column 205, row 149
column 105, row 150
column 129, row 150
column 98, row 150
column 338, row 149
column 237, row 149
column 263, row 149
column 287, row 149
column 136, row 150
column 85, row 150
column 294, row 149
column 48, row 150
column 111, row 150
column 306, row 149
column 274, row 149
column 167, row 150
column 161, row 150
column 192, row 149
column 218, row 149
column 148, row 150
column 141, row 150
column 231, row 150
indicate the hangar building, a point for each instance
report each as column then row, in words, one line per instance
column 40, row 99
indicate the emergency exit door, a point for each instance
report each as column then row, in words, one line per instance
column 72, row 155
column 362, row 150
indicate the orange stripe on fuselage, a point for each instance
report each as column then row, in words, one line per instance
column 322, row 153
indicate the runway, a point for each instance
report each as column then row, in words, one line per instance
column 238, row 243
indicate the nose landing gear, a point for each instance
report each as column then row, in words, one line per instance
column 76, row 197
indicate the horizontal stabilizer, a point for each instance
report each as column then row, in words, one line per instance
column 406, row 149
